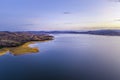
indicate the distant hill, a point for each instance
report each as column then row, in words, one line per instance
column 94, row 32
column 55, row 32
column 104, row 32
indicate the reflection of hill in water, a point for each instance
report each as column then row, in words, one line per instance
column 16, row 51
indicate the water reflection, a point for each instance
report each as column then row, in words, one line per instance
column 21, row 50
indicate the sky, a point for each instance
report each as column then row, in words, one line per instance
column 37, row 15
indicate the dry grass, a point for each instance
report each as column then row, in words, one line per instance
column 16, row 51
column 3, row 51
column 24, row 49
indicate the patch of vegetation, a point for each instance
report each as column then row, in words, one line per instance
column 3, row 51
column 21, row 50
column 24, row 49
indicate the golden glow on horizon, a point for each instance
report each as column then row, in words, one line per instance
column 102, row 17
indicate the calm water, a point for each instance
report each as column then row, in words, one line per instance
column 68, row 57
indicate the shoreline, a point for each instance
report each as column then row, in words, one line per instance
column 15, row 39
column 21, row 50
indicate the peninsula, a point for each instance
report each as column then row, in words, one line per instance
column 14, row 39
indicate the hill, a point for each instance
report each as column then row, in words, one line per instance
column 13, row 39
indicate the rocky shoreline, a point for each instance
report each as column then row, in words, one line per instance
column 14, row 39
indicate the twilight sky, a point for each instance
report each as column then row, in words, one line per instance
column 16, row 15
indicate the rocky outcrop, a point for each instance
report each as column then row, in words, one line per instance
column 13, row 39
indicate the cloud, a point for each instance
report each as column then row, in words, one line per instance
column 68, row 23
column 66, row 13
column 117, row 20
column 16, row 27
column 25, row 24
column 115, row 0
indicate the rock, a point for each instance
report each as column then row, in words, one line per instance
column 13, row 39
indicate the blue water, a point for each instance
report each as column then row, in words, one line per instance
column 68, row 57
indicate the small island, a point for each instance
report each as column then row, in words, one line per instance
column 14, row 39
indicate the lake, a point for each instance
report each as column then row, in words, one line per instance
column 67, row 57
